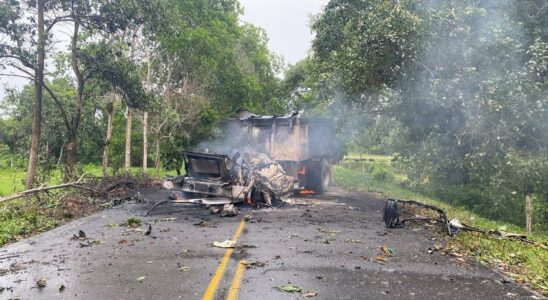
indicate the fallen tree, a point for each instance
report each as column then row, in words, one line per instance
column 30, row 192
column 96, row 186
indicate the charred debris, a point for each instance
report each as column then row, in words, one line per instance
column 397, row 213
column 259, row 160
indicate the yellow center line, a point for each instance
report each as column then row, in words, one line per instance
column 236, row 281
column 214, row 282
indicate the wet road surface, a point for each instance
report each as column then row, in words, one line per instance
column 327, row 245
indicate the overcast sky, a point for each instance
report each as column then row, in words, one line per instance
column 286, row 23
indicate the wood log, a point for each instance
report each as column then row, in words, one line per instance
column 33, row 191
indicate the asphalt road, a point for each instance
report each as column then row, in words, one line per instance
column 328, row 246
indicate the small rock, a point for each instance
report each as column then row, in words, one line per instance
column 41, row 282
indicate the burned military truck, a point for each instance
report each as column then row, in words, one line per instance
column 261, row 158
column 304, row 147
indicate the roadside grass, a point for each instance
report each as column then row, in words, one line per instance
column 23, row 217
column 12, row 180
column 525, row 263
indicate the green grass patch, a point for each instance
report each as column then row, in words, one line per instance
column 523, row 262
column 24, row 217
column 12, row 180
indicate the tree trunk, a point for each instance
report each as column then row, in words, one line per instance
column 145, row 141
column 127, row 152
column 75, row 121
column 157, row 162
column 110, row 111
column 145, row 120
column 528, row 214
column 38, row 88
column 127, row 157
column 71, row 147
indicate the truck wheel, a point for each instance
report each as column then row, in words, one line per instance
column 319, row 176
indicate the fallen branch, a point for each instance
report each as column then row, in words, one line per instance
column 41, row 189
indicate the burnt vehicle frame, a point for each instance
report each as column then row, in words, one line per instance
column 305, row 147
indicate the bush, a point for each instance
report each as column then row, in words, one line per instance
column 381, row 172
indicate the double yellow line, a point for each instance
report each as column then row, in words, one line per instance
column 236, row 281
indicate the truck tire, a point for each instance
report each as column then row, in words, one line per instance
column 319, row 176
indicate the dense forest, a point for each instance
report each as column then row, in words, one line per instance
column 454, row 89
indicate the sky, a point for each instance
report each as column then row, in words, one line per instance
column 286, row 23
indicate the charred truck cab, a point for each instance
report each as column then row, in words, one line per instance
column 305, row 147
column 213, row 175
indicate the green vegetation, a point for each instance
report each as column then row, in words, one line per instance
column 11, row 180
column 523, row 262
column 133, row 222
column 456, row 87
column 24, row 217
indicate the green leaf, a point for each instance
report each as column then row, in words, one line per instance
column 288, row 288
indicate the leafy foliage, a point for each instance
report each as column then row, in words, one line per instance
column 456, row 88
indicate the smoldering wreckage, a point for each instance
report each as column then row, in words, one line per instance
column 265, row 158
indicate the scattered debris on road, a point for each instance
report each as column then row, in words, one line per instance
column 202, row 223
column 252, row 219
column 89, row 243
column 310, row 294
column 354, row 241
column 41, row 282
column 229, row 211
column 182, row 268
column 288, row 288
column 386, row 251
column 80, row 236
column 253, row 265
column 225, row 244
column 329, row 231
column 149, row 230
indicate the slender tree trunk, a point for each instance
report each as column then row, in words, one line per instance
column 157, row 161
column 110, row 111
column 75, row 121
column 145, row 141
column 528, row 214
column 71, row 147
column 38, row 88
column 127, row 152
column 145, row 120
